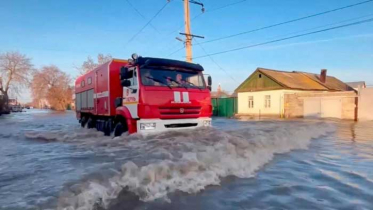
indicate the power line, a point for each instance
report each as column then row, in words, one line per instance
column 212, row 10
column 286, row 38
column 323, row 26
column 176, row 51
column 156, row 14
column 218, row 8
column 221, row 7
column 213, row 60
column 139, row 13
column 225, row 6
column 286, row 22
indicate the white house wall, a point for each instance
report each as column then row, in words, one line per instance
column 366, row 104
column 277, row 102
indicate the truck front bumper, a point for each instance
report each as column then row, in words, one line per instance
column 145, row 126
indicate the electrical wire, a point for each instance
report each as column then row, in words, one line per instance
column 286, row 22
column 176, row 51
column 212, row 10
column 213, row 60
column 225, row 6
column 286, row 38
column 141, row 15
column 156, row 14
column 323, row 26
column 218, row 8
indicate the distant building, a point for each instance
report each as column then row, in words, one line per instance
column 219, row 93
column 274, row 93
column 357, row 85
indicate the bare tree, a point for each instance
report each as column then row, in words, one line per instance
column 52, row 84
column 15, row 71
column 90, row 64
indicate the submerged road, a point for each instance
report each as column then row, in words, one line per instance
column 48, row 162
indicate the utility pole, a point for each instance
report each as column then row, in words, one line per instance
column 188, row 38
column 188, row 33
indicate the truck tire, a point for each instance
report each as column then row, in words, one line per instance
column 90, row 123
column 83, row 121
column 120, row 129
column 107, row 128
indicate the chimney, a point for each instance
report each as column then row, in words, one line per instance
column 323, row 75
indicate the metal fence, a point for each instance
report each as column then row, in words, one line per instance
column 224, row 107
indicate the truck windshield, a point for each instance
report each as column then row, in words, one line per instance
column 172, row 78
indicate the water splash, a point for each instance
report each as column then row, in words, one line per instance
column 183, row 161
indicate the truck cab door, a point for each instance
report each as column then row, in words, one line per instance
column 131, row 93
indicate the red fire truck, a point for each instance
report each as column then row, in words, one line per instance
column 143, row 95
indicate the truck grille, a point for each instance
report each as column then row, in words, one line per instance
column 187, row 111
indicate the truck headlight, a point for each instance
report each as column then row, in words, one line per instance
column 147, row 126
column 207, row 123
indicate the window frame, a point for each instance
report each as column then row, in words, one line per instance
column 89, row 80
column 251, row 102
column 82, row 83
column 267, row 101
column 134, row 78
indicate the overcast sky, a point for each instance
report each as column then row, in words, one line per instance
column 64, row 33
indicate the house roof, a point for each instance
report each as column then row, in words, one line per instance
column 301, row 81
column 332, row 83
column 356, row 84
column 292, row 80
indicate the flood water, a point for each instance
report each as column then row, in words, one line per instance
column 48, row 162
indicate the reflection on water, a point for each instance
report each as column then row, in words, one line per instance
column 48, row 161
column 355, row 131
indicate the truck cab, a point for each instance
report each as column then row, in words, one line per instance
column 163, row 94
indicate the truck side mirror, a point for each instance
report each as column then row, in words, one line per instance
column 118, row 102
column 209, row 81
column 123, row 73
column 125, row 83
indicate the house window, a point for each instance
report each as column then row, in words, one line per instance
column 82, row 84
column 89, row 80
column 260, row 75
column 251, row 101
column 267, row 101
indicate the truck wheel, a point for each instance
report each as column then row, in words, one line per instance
column 119, row 129
column 107, row 128
column 83, row 121
column 90, row 123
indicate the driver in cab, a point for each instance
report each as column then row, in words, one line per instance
column 178, row 81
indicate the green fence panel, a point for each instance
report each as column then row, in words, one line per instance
column 224, row 107
column 215, row 108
